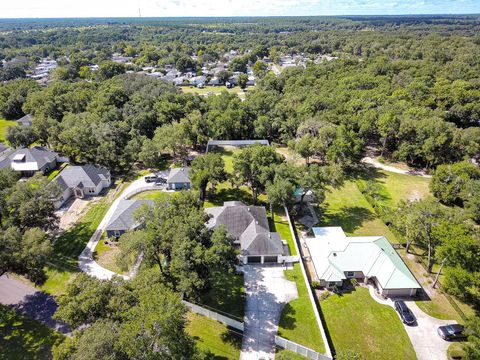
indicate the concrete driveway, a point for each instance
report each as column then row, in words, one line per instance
column 423, row 335
column 85, row 260
column 425, row 340
column 267, row 292
column 31, row 302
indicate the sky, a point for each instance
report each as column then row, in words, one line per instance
column 175, row 8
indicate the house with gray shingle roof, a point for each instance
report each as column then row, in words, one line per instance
column 29, row 161
column 248, row 225
column 123, row 219
column 82, row 181
column 25, row 120
column 179, row 179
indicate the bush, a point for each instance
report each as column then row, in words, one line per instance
column 354, row 282
column 315, row 284
column 325, row 295
column 455, row 351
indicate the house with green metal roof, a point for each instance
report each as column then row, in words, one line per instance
column 337, row 258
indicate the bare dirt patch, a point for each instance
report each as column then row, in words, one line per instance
column 74, row 212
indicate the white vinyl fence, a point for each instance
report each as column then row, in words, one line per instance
column 214, row 315
column 299, row 349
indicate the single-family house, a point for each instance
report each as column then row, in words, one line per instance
column 29, row 161
column 124, row 219
column 337, row 258
column 248, row 226
column 82, row 181
column 25, row 120
column 179, row 179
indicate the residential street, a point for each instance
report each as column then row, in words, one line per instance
column 267, row 292
column 85, row 260
column 31, row 302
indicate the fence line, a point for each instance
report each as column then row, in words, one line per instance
column 309, row 289
column 143, row 189
column 299, row 349
column 215, row 316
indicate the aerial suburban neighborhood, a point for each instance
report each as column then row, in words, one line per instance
column 240, row 188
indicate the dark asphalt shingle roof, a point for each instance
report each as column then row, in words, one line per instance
column 37, row 154
column 178, row 175
column 25, row 120
column 248, row 224
column 124, row 216
column 86, row 176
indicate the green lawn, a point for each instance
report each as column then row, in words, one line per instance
column 298, row 322
column 105, row 255
column 348, row 208
column 280, row 225
column 152, row 195
column 69, row 245
column 4, row 125
column 227, row 295
column 214, row 337
column 358, row 323
column 396, row 187
column 22, row 338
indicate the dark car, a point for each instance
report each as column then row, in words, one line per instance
column 404, row 312
column 150, row 179
column 451, row 331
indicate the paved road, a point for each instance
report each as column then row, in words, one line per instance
column 31, row 302
column 85, row 260
column 423, row 335
column 267, row 292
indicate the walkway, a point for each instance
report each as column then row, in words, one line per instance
column 31, row 302
column 267, row 292
column 85, row 260
column 423, row 335
column 375, row 163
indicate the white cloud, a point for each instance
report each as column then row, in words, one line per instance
column 111, row 8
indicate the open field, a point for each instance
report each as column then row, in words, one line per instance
column 4, row 125
column 22, row 338
column 214, row 337
column 358, row 323
column 215, row 90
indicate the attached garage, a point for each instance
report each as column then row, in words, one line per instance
column 270, row 259
column 254, row 259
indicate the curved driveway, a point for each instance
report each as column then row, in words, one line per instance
column 85, row 260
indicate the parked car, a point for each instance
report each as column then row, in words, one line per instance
column 150, row 179
column 160, row 180
column 404, row 312
column 451, row 332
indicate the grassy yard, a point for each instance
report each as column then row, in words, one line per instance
column 298, row 322
column 357, row 322
column 348, row 208
column 214, row 337
column 227, row 295
column 22, row 338
column 152, row 195
column 4, row 125
column 69, row 245
column 280, row 225
column 105, row 255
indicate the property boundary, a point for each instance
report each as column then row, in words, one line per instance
column 328, row 351
column 299, row 349
column 215, row 316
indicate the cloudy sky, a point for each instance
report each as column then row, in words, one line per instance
column 122, row 8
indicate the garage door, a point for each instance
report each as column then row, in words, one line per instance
column 254, row 259
column 270, row 259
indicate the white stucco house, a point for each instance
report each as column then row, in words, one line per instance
column 337, row 258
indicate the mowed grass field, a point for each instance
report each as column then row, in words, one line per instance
column 358, row 323
column 214, row 337
column 4, row 125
